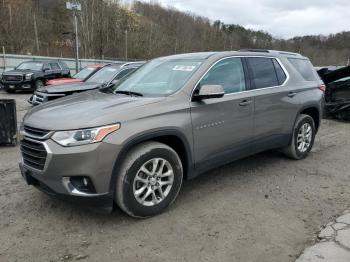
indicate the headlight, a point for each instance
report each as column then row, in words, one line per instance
column 28, row 76
column 83, row 136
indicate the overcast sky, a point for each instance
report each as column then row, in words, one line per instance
column 281, row 18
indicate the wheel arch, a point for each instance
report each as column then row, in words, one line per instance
column 314, row 112
column 41, row 78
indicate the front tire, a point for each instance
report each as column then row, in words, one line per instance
column 303, row 138
column 38, row 84
column 149, row 180
column 10, row 90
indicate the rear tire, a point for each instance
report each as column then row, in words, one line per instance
column 303, row 138
column 149, row 180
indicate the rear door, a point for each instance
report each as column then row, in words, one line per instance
column 274, row 107
column 223, row 127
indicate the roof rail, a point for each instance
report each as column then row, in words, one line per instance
column 254, row 50
column 133, row 63
column 289, row 53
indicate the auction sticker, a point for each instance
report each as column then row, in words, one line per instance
column 184, row 68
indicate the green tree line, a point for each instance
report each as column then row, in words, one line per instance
column 110, row 29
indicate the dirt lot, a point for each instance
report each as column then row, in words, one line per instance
column 263, row 208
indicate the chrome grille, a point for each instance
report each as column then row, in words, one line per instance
column 36, row 132
column 34, row 153
column 39, row 98
column 12, row 78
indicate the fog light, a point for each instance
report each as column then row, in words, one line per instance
column 83, row 184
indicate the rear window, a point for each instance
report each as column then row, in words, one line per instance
column 281, row 75
column 305, row 68
column 263, row 72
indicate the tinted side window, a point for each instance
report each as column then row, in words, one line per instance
column 305, row 68
column 47, row 67
column 228, row 73
column 55, row 66
column 63, row 65
column 124, row 73
column 281, row 76
column 263, row 72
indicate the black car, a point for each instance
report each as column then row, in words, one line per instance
column 106, row 76
column 32, row 75
column 337, row 93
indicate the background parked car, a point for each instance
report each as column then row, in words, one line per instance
column 104, row 77
column 337, row 93
column 31, row 75
column 81, row 76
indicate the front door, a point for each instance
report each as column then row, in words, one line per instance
column 223, row 127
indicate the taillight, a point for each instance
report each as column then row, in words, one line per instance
column 322, row 88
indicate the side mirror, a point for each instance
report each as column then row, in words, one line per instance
column 46, row 69
column 209, row 91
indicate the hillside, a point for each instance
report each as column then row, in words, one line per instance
column 44, row 27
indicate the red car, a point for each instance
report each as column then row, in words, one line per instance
column 81, row 76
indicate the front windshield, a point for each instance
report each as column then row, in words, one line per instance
column 30, row 66
column 104, row 75
column 84, row 73
column 160, row 77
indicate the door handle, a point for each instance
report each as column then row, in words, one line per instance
column 292, row 94
column 245, row 102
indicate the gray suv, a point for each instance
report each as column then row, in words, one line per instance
column 176, row 117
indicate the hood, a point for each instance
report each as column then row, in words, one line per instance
column 19, row 72
column 329, row 76
column 63, row 81
column 69, row 88
column 84, row 110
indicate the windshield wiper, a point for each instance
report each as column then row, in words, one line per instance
column 130, row 93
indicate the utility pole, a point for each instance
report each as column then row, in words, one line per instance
column 36, row 35
column 76, row 43
column 75, row 7
column 3, row 53
column 126, row 44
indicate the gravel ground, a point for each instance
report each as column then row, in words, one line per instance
column 262, row 208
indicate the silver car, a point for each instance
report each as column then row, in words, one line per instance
column 176, row 117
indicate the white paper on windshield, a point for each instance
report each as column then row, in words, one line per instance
column 111, row 70
column 184, row 68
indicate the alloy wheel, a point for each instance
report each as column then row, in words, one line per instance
column 304, row 137
column 153, row 182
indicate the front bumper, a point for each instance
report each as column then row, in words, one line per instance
column 101, row 203
column 94, row 161
column 26, row 85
